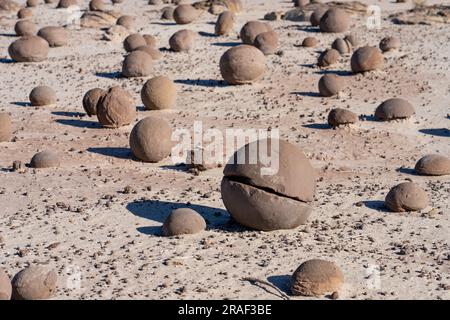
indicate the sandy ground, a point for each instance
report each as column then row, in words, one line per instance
column 99, row 215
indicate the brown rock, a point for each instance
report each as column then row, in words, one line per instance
column 309, row 42
column 366, row 59
column 42, row 96
column 150, row 139
column 185, row 13
column 116, row 108
column 183, row 221
column 5, row 284
column 267, row 42
column 55, row 36
column 137, row 64
column 335, row 20
column 394, row 108
column 45, row 159
column 242, row 64
column 225, row 23
column 316, row 277
column 91, row 99
column 339, row 116
column 159, row 93
column 389, row 44
column 330, row 85
column 252, row 29
column 134, row 41
column 328, row 57
column 34, row 283
column 406, row 196
column 183, row 40
column 29, row 49
column 433, row 165
column 25, row 28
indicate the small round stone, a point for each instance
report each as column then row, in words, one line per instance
column 406, row 196
column 341, row 45
column 267, row 42
column 126, row 21
column 328, row 57
column 335, row 20
column 309, row 42
column 116, row 108
column 137, row 64
column 367, row 59
column 34, row 283
column 150, row 139
column 45, row 159
column 316, row 277
column 389, row 44
column 42, row 96
column 29, row 49
column 330, row 85
column 183, row 221
column 91, row 99
column 25, row 28
column 25, row 13
column 55, row 36
column 242, row 64
column 395, row 108
column 134, row 41
column 183, row 40
column 159, row 93
column 338, row 117
column 185, row 13
column 252, row 29
column 316, row 15
column 433, row 165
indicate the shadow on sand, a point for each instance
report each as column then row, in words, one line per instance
column 158, row 211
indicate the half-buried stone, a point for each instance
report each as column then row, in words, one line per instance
column 406, row 196
column 183, row 221
column 264, row 199
column 395, row 108
column 339, row 117
column 45, row 159
column 433, row 165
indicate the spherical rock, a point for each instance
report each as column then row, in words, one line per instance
column 338, row 117
column 268, row 197
column 159, row 93
column 150, row 40
column 32, row 3
column 242, row 64
column 330, row 85
column 137, row 64
column 126, row 21
column 389, row 43
column 335, row 20
column 150, row 139
column 155, row 54
column 24, row 13
column 25, row 28
column 64, row 4
column 183, row 221
column 252, row 29
column 55, row 36
column 155, row 2
column 342, row 46
column 406, row 196
column 328, row 57
column 183, row 40
column 225, row 23
column 366, row 59
column 29, row 49
column 5, row 127
column 34, row 283
column 45, row 159
column 395, row 108
column 316, row 15
column 432, row 165
column 267, row 42
column 5, row 285
column 316, row 277
column 352, row 39
column 185, row 13
column 134, row 41
column 309, row 42
column 97, row 5
column 116, row 108
column 42, row 96
column 167, row 13
column 91, row 99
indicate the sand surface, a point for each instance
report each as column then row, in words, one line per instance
column 98, row 216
